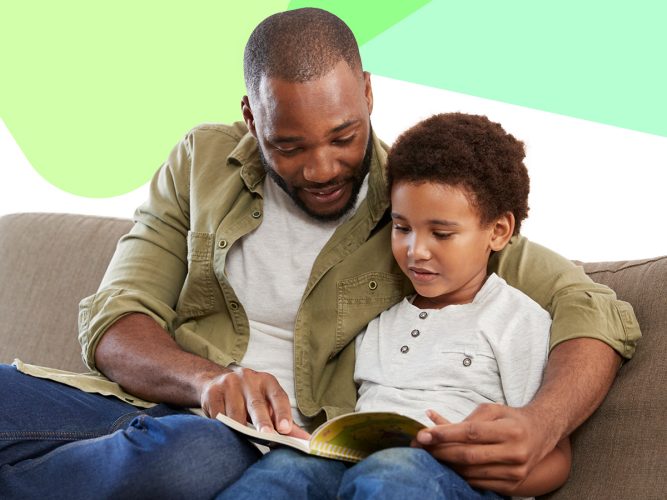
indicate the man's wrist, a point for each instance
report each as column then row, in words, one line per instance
column 547, row 421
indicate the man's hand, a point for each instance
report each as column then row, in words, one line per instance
column 246, row 395
column 494, row 447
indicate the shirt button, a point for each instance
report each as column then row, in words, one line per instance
column 222, row 244
column 234, row 306
column 467, row 361
column 405, row 349
column 256, row 214
column 423, row 315
column 414, row 333
column 372, row 285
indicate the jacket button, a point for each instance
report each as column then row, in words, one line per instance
column 256, row 214
column 467, row 361
column 414, row 333
column 222, row 244
column 233, row 306
column 423, row 315
column 372, row 284
column 405, row 349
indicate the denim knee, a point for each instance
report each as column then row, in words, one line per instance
column 397, row 473
column 287, row 474
column 193, row 457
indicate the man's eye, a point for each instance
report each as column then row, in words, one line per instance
column 343, row 141
column 401, row 229
column 442, row 236
column 288, row 152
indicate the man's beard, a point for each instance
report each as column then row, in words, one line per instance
column 357, row 180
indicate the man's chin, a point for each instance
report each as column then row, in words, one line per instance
column 321, row 210
column 323, row 214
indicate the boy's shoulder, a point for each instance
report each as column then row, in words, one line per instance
column 499, row 297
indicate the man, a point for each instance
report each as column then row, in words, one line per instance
column 241, row 292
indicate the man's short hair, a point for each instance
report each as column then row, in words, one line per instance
column 298, row 46
column 467, row 151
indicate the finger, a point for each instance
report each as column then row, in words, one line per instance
column 298, row 432
column 493, row 472
column 472, row 432
column 489, row 412
column 258, row 409
column 471, row 454
column 235, row 406
column 214, row 404
column 280, row 406
column 436, row 418
column 499, row 486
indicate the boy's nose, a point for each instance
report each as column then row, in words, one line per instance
column 418, row 250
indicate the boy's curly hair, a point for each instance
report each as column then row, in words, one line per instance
column 468, row 151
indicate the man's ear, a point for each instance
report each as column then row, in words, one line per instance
column 248, row 117
column 368, row 91
column 501, row 231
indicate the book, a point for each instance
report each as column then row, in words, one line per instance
column 350, row 437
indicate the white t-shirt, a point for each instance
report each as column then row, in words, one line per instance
column 268, row 270
column 452, row 359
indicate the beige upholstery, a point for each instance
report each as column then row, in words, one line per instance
column 48, row 262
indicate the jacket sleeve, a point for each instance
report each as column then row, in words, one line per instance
column 149, row 266
column 578, row 306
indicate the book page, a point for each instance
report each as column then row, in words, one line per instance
column 356, row 435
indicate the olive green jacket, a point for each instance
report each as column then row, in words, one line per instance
column 171, row 266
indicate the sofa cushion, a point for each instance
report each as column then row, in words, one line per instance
column 621, row 451
column 48, row 263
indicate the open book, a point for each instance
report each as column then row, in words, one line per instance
column 349, row 437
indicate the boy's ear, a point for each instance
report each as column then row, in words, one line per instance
column 501, row 231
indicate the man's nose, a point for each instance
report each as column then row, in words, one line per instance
column 321, row 167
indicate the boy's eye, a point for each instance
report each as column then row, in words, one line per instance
column 442, row 236
column 400, row 229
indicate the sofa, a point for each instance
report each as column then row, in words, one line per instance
column 48, row 262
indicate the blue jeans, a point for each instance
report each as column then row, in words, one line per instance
column 394, row 473
column 59, row 442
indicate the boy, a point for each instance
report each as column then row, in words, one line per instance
column 459, row 191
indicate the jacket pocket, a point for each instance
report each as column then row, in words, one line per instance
column 197, row 296
column 360, row 299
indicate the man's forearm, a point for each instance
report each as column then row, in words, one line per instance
column 577, row 378
column 145, row 360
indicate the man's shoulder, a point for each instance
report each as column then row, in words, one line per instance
column 235, row 132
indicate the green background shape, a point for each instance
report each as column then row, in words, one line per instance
column 598, row 60
column 96, row 94
column 366, row 18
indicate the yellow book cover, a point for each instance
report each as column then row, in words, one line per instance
column 349, row 437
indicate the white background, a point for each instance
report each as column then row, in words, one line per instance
column 597, row 192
